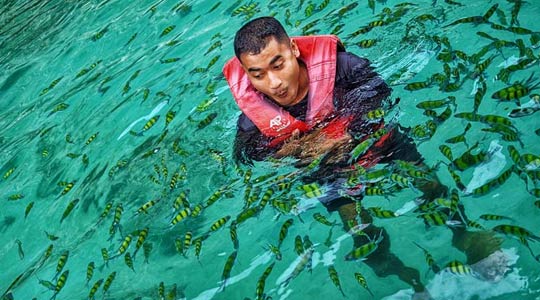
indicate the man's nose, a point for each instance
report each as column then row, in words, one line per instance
column 275, row 81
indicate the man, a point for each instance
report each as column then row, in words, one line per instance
column 307, row 98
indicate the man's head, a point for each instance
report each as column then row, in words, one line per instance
column 269, row 57
column 253, row 36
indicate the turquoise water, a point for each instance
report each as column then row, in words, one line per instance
column 80, row 79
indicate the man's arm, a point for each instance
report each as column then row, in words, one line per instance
column 359, row 89
column 250, row 144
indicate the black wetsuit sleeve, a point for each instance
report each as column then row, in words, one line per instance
column 359, row 89
column 250, row 144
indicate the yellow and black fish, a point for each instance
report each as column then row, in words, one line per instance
column 363, row 282
column 68, row 209
column 259, row 291
column 207, row 120
column 458, row 268
column 108, row 282
column 167, row 30
column 361, row 252
column 332, row 272
column 227, row 269
column 515, row 91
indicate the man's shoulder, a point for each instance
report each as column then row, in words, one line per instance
column 347, row 63
column 245, row 124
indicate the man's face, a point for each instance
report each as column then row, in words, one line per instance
column 276, row 73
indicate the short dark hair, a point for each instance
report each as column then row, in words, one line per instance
column 253, row 36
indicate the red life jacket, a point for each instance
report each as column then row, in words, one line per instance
column 319, row 53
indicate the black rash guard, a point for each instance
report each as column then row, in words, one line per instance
column 357, row 90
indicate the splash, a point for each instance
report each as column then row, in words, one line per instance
column 488, row 170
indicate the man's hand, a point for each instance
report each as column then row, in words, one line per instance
column 312, row 145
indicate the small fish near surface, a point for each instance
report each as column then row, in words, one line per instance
column 363, row 282
column 517, row 90
column 360, row 253
column 527, row 109
column 302, row 261
column 206, row 121
column 476, row 20
column 227, row 269
column 458, row 268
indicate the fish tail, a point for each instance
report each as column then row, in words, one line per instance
column 418, row 245
column 530, row 80
column 535, row 238
column 285, row 283
column 100, row 268
column 223, row 285
column 379, row 238
column 462, row 218
column 413, row 188
column 536, row 257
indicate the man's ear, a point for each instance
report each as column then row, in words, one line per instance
column 294, row 49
